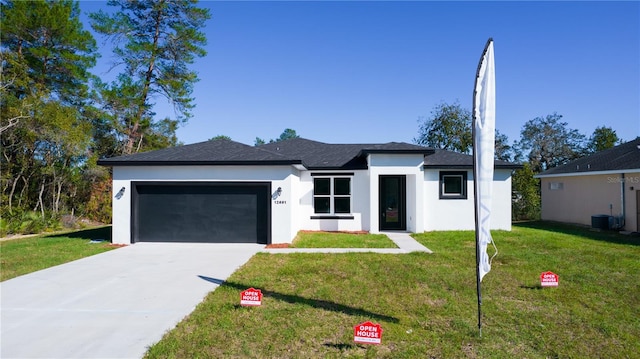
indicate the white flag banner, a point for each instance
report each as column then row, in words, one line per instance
column 483, row 146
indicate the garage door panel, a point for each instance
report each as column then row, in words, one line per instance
column 202, row 213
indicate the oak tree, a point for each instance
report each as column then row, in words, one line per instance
column 547, row 142
column 449, row 128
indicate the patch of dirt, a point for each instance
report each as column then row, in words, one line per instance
column 17, row 236
column 278, row 245
column 469, row 350
column 117, row 245
column 439, row 302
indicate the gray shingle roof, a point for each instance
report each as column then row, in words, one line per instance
column 448, row 159
column 622, row 157
column 319, row 155
column 216, row 152
column 312, row 154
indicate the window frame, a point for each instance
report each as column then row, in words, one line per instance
column 556, row 186
column 332, row 194
column 463, row 188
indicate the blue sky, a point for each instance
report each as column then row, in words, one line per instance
column 368, row 72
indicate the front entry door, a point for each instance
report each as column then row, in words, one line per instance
column 392, row 206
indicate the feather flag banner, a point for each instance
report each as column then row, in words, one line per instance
column 484, row 114
column 484, row 120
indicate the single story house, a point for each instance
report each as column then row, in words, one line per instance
column 225, row 191
column 604, row 184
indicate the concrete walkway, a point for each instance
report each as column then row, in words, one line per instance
column 405, row 243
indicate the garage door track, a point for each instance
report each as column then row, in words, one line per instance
column 111, row 305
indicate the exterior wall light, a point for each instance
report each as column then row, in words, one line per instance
column 120, row 193
column 276, row 194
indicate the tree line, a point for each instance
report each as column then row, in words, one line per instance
column 58, row 119
column 544, row 143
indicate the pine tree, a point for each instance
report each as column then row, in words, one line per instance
column 155, row 41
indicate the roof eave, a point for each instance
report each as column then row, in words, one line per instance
column 587, row 173
column 499, row 167
column 107, row 163
column 425, row 152
column 337, row 168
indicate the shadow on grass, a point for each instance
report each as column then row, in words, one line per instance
column 315, row 303
column 586, row 232
column 101, row 233
column 535, row 287
column 341, row 346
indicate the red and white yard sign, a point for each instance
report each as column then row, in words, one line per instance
column 251, row 297
column 367, row 333
column 549, row 279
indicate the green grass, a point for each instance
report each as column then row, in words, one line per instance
column 26, row 255
column 341, row 240
column 426, row 303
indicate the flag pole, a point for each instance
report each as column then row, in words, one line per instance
column 478, row 287
column 476, row 173
column 477, row 214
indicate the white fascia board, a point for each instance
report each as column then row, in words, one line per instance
column 573, row 174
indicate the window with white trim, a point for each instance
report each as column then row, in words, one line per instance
column 453, row 185
column 332, row 195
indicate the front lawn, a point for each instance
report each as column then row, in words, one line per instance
column 426, row 303
column 307, row 239
column 26, row 255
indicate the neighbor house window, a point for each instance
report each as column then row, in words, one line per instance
column 555, row 186
column 453, row 185
column 332, row 195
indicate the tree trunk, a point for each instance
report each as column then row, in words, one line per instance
column 26, row 184
column 40, row 203
column 145, row 89
column 13, row 190
column 139, row 143
column 56, row 205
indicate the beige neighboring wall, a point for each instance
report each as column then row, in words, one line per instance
column 574, row 199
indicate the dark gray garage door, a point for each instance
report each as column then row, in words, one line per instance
column 201, row 212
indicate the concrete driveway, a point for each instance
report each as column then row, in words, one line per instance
column 111, row 305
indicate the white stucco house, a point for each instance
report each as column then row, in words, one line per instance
column 604, row 184
column 225, row 191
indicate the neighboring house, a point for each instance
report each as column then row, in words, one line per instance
column 606, row 183
column 224, row 191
